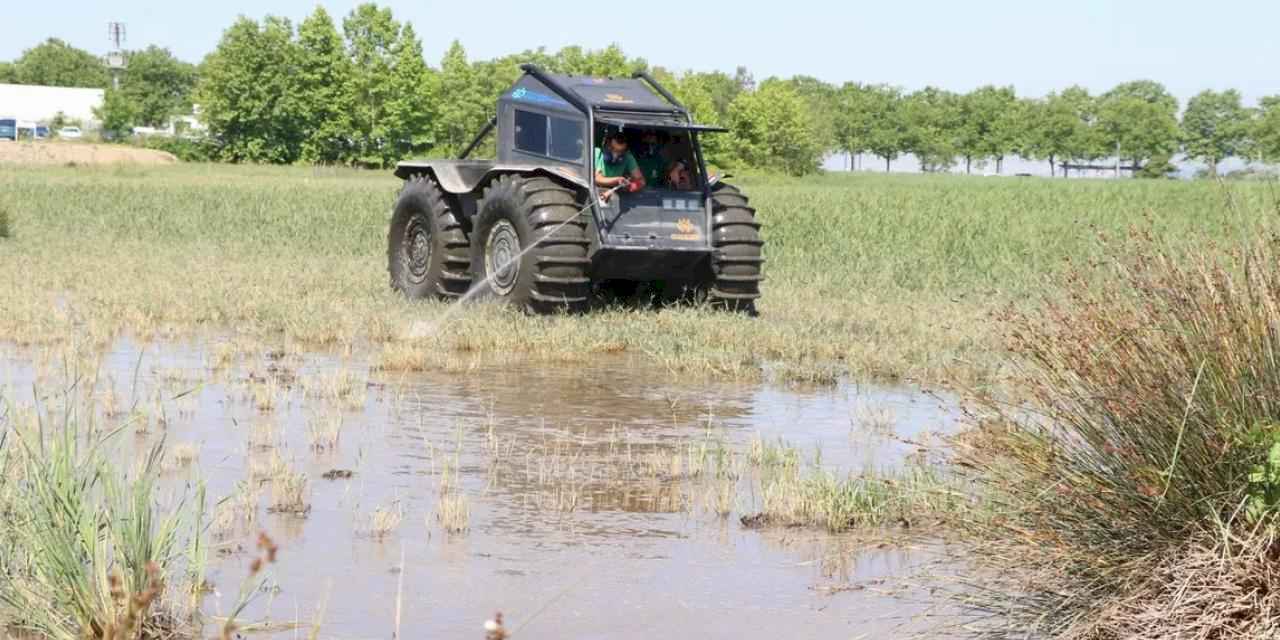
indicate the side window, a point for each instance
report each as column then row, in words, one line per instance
column 566, row 139
column 531, row 132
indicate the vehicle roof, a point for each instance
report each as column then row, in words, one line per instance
column 614, row 94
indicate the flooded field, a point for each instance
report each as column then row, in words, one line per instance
column 598, row 501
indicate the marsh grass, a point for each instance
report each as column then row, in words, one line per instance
column 87, row 548
column 878, row 276
column 237, row 512
column 324, row 431
column 453, row 508
column 382, row 522
column 1145, row 441
column 290, row 492
column 6, row 223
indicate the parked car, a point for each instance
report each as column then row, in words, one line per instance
column 8, row 129
column 70, row 133
column 42, row 132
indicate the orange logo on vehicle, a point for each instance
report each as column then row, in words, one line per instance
column 613, row 97
column 687, row 230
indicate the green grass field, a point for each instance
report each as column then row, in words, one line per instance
column 885, row 277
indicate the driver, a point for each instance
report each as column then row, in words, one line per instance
column 615, row 166
column 651, row 157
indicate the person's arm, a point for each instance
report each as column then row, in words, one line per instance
column 608, row 183
column 632, row 169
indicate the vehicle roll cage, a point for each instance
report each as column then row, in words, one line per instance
column 616, row 115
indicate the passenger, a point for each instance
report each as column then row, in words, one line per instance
column 676, row 149
column 616, row 167
column 678, row 176
column 651, row 157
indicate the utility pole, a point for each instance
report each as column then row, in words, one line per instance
column 115, row 58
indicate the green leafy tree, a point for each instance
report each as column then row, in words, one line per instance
column 773, row 129
column 697, row 92
column 118, row 113
column 372, row 38
column 822, row 100
column 324, row 91
column 890, row 133
column 249, row 93
column 57, row 64
column 853, row 119
column 718, row 86
column 463, row 108
column 413, row 95
column 8, row 72
column 1009, row 132
column 607, row 62
column 933, row 118
column 1061, row 127
column 1139, row 121
column 1215, row 127
column 158, row 85
column 1266, row 130
column 985, row 124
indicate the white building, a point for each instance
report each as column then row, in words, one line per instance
column 40, row 104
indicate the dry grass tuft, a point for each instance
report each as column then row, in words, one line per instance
column 1223, row 587
column 182, row 456
column 324, row 432
column 453, row 508
column 383, row 522
column 289, row 493
column 237, row 512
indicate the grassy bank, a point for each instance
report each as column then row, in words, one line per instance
column 1135, row 493
column 878, row 276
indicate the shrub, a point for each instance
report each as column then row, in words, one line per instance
column 1150, row 421
column 184, row 149
column 86, row 551
column 6, row 228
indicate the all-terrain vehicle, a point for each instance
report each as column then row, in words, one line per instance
column 532, row 229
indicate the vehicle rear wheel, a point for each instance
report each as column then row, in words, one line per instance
column 529, row 245
column 738, row 260
column 427, row 247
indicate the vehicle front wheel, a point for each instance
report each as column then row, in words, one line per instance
column 529, row 246
column 738, row 261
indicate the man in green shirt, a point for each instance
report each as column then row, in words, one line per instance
column 616, row 167
column 649, row 156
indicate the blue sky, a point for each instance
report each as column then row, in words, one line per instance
column 1036, row 45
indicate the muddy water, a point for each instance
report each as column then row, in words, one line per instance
column 564, row 536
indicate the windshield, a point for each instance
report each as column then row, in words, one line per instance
column 8, row 129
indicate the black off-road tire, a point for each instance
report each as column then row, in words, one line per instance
column 516, row 212
column 428, row 252
column 738, row 261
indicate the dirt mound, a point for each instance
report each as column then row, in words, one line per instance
column 65, row 153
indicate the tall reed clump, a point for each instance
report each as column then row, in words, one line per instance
column 1133, row 491
column 6, row 225
column 86, row 550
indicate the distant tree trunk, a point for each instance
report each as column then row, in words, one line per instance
column 968, row 160
column 886, row 164
column 1213, row 167
column 999, row 165
column 1053, row 173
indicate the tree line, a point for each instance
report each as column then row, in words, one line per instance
column 361, row 93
